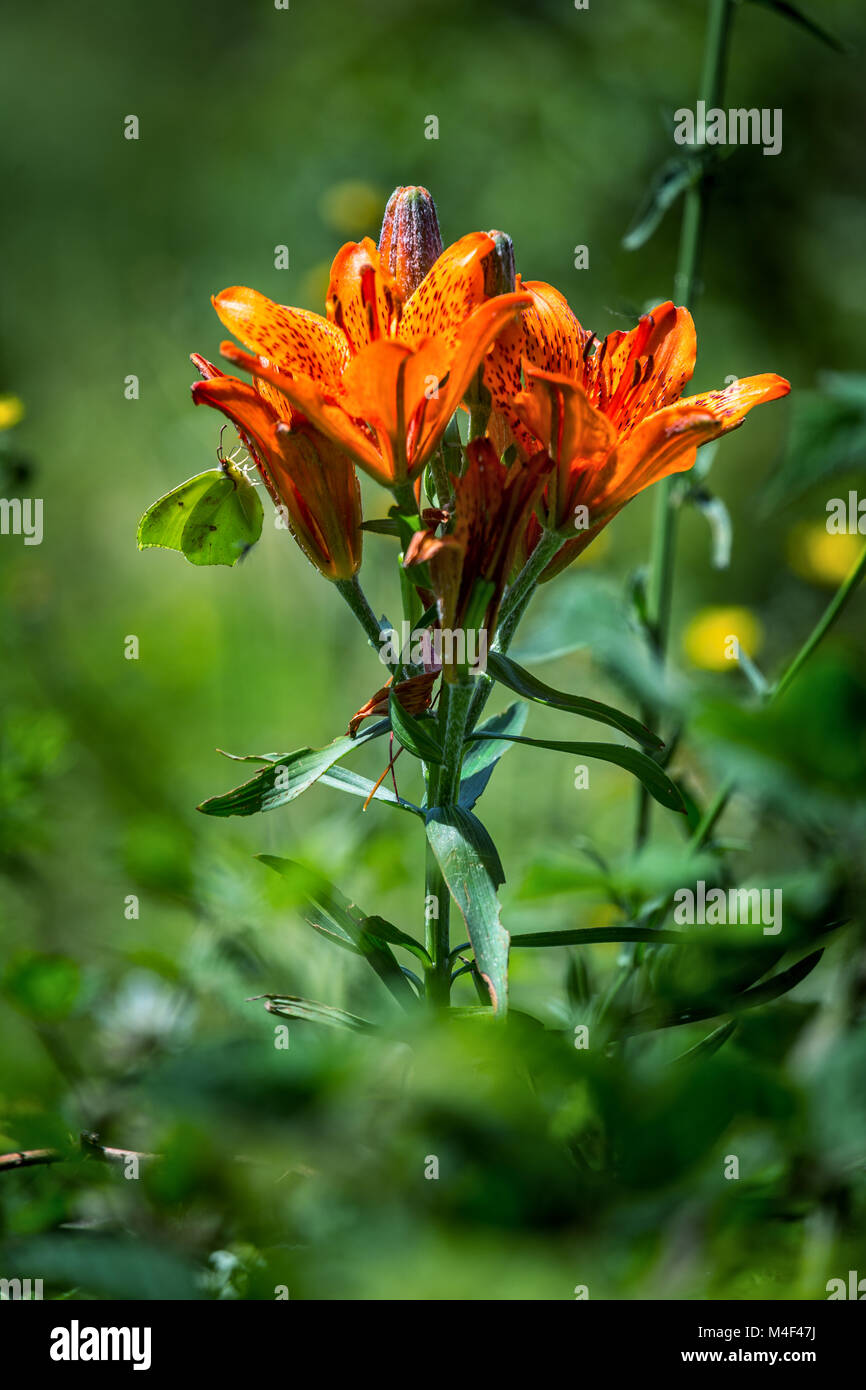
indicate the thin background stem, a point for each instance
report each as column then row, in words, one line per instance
column 663, row 549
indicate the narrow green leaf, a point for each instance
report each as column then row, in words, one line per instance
column 668, row 184
column 648, row 772
column 507, row 672
column 286, row 777
column 797, row 16
column 213, row 519
column 352, row 782
column 321, row 899
column 292, row 1006
column 471, row 868
column 591, row 936
column 711, row 1043
column 648, row 1020
column 262, row 758
column 481, row 757
column 383, row 526
column 418, row 736
column 386, row 931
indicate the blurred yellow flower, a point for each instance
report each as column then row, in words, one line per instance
column 314, row 285
column 821, row 558
column 11, row 410
column 714, row 637
column 352, row 207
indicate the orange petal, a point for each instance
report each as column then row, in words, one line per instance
column 374, row 391
column 304, row 472
column 242, row 404
column 561, row 417
column 448, row 293
column 295, row 341
column 645, row 369
column 320, row 407
column 547, row 334
column 665, row 442
column 318, row 485
column 558, row 413
column 731, row 406
column 476, row 336
column 363, row 298
column 673, row 348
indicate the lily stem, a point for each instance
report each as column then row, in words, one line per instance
column 513, row 608
column 404, row 496
column 454, row 705
column 443, row 789
column 356, row 599
column 437, row 907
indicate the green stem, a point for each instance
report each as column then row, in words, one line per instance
column 441, row 479
column 663, row 549
column 404, row 496
column 437, row 906
column 443, row 789
column 479, row 415
column 454, row 703
column 831, row 613
column 357, row 601
column 513, row 608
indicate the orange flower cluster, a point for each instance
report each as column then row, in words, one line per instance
column 410, row 331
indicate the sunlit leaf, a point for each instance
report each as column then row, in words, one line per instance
column 471, row 868
column 287, row 777
column 418, row 736
column 352, row 782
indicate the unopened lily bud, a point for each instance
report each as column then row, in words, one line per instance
column 410, row 243
column 499, row 273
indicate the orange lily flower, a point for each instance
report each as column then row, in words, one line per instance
column 303, row 471
column 608, row 412
column 471, row 565
column 380, row 377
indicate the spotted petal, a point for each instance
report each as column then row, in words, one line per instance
column 294, row 341
column 363, row 299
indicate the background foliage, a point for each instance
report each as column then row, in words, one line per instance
column 305, row 1167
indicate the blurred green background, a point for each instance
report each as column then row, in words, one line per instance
column 261, row 127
